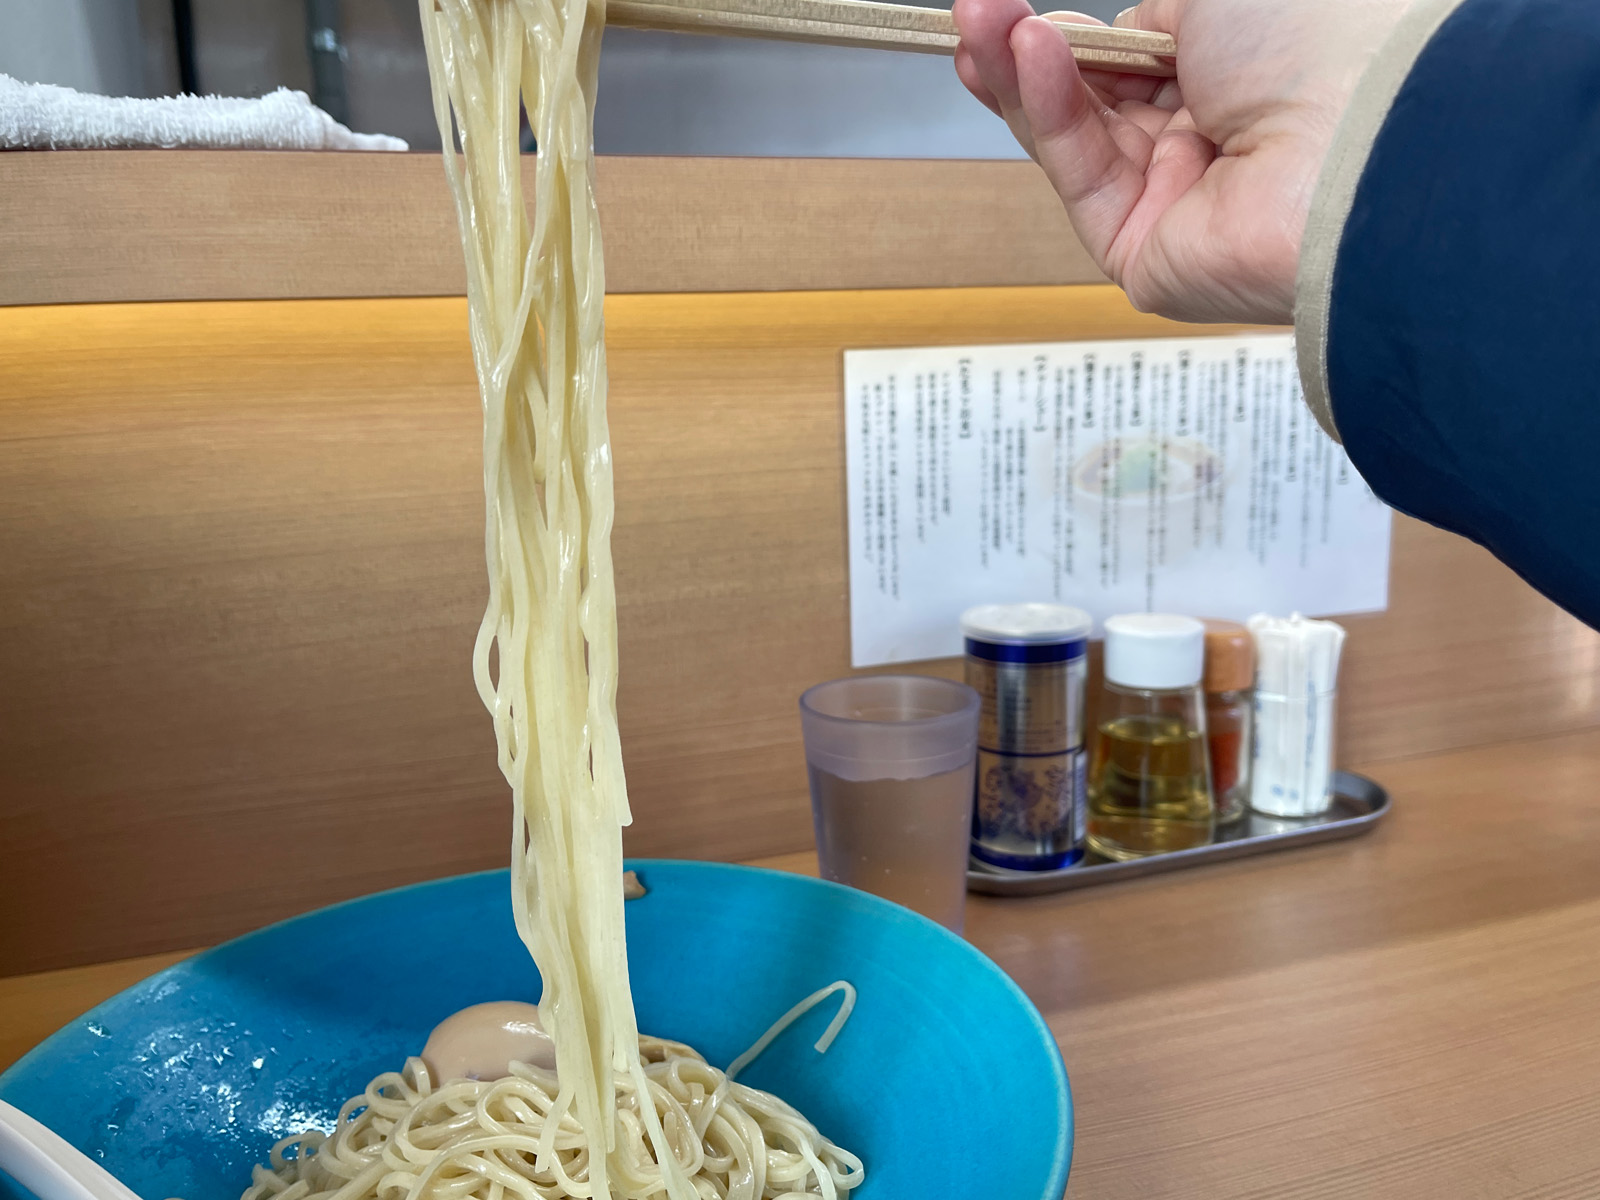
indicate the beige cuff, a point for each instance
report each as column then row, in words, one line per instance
column 1336, row 192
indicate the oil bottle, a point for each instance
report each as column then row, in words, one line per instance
column 1149, row 774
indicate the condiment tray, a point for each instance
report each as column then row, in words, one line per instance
column 1358, row 805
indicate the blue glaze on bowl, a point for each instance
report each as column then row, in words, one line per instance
column 945, row 1081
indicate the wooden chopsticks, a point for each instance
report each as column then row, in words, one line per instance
column 885, row 26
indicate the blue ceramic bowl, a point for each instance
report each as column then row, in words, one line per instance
column 945, row 1081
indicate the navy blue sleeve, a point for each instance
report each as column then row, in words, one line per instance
column 1463, row 352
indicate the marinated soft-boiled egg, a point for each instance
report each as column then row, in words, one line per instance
column 483, row 1041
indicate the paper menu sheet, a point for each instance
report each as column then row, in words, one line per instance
column 1181, row 475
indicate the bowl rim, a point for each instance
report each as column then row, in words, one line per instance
column 1061, row 1157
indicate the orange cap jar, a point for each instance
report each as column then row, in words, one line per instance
column 1230, row 670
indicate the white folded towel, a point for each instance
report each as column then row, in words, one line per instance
column 41, row 116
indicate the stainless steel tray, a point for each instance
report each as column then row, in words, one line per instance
column 1358, row 805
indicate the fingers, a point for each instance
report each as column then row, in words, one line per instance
column 1168, row 96
column 1164, row 279
column 1095, row 160
column 1115, row 87
column 985, row 27
column 1180, row 158
column 1150, row 118
column 1158, row 16
column 985, row 66
column 1076, row 18
column 988, row 67
column 967, row 72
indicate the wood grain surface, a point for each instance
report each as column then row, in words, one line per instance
column 241, row 568
column 32, row 1007
column 111, row 225
column 1410, row 1014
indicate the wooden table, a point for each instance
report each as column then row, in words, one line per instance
column 1415, row 1014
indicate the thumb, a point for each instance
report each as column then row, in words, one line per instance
column 1159, row 16
column 1095, row 159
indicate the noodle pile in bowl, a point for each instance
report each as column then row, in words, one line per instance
column 408, row 1136
column 411, row 1136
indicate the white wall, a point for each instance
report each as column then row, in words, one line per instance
column 659, row 93
column 663, row 93
column 91, row 45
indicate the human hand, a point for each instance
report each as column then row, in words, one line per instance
column 1192, row 194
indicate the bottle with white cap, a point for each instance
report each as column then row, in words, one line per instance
column 1149, row 775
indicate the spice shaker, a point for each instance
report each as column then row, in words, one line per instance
column 1029, row 666
column 1297, row 667
column 1149, row 775
column 1228, row 683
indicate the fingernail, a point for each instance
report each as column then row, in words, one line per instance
column 1124, row 17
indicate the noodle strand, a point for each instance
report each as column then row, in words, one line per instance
column 619, row 1118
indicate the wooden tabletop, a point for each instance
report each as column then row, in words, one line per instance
column 1415, row 1013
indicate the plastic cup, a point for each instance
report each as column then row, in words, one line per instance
column 890, row 760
